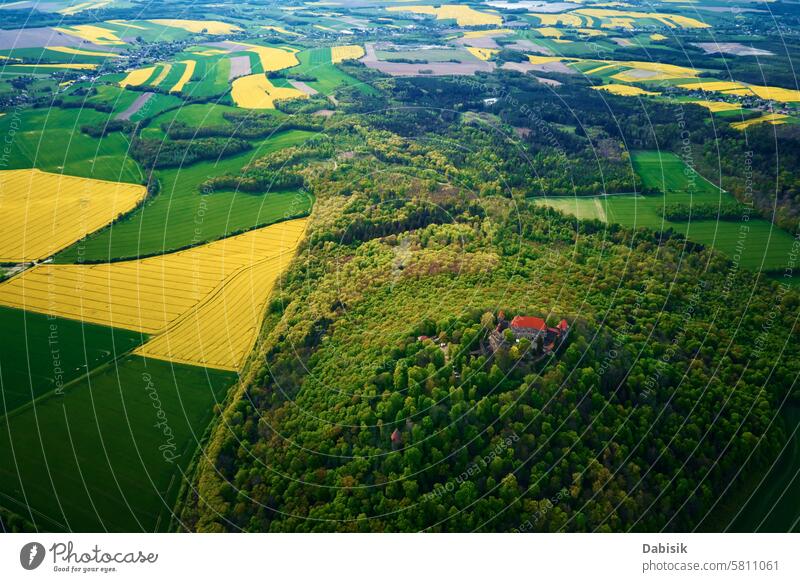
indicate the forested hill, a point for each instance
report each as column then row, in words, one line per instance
column 665, row 388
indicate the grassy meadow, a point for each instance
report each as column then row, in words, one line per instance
column 758, row 244
column 96, row 459
column 50, row 140
column 39, row 353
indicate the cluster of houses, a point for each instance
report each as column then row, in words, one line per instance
column 534, row 329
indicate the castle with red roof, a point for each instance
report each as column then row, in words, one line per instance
column 534, row 329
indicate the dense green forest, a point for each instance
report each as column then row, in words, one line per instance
column 373, row 405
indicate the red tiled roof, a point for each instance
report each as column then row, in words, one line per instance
column 563, row 325
column 522, row 321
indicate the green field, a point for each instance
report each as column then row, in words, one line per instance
column 38, row 352
column 759, row 244
column 317, row 62
column 430, row 55
column 50, row 139
column 210, row 76
column 45, row 55
column 96, row 459
column 195, row 115
column 179, row 215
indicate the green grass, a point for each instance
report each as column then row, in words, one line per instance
column 430, row 55
column 117, row 97
column 179, row 215
column 668, row 173
column 583, row 208
column 148, row 31
column 174, row 75
column 50, row 139
column 755, row 243
column 155, row 105
column 39, row 353
column 210, row 77
column 92, row 459
column 45, row 55
column 196, row 115
column 317, row 62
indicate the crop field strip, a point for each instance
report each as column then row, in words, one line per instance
column 44, row 213
column 149, row 294
column 220, row 331
column 186, row 75
column 343, row 53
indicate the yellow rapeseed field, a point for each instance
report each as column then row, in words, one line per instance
column 280, row 30
column 343, row 53
column 644, row 70
column 712, row 86
column 186, row 76
column 657, row 37
column 257, row 92
column 273, row 59
column 539, row 60
column 149, row 294
column 591, row 32
column 463, row 15
column 43, row 213
column 627, row 90
column 775, row 93
column 75, row 8
column 198, row 26
column 485, row 33
column 600, row 69
column 742, row 92
column 550, row 32
column 772, row 118
column 626, row 23
column 91, row 33
column 77, row 66
column 483, row 54
column 73, row 51
column 162, row 74
column 137, row 77
column 717, row 106
column 220, row 331
column 623, row 18
column 127, row 24
column 554, row 19
column 210, row 52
